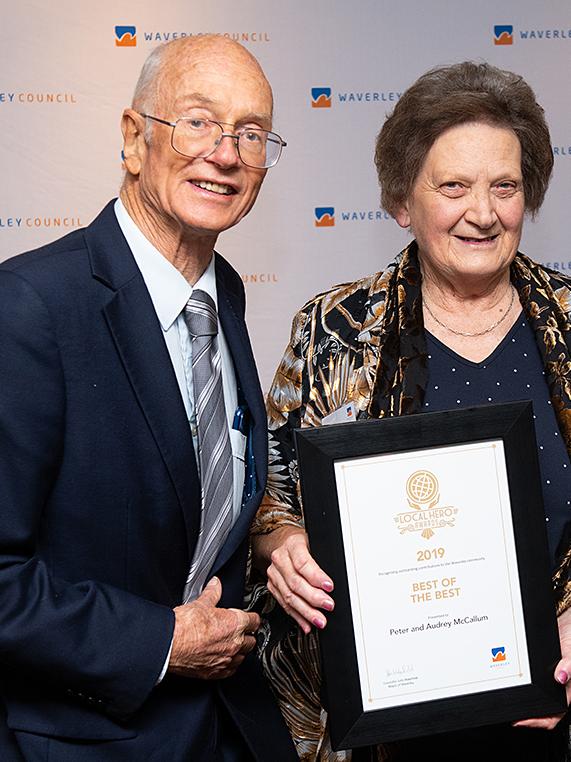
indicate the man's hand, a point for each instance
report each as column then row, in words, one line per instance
column 210, row 642
column 294, row 579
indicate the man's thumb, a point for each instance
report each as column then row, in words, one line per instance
column 212, row 592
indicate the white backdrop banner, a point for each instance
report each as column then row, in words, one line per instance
column 337, row 68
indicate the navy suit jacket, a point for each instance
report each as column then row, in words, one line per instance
column 100, row 510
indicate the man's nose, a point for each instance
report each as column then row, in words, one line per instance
column 226, row 152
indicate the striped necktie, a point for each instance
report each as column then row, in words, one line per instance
column 214, row 449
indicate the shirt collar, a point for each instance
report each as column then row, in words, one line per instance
column 168, row 288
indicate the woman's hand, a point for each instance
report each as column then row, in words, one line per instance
column 294, row 579
column 562, row 674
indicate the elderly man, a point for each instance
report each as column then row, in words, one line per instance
column 133, row 445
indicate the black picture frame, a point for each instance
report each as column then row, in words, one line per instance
column 318, row 450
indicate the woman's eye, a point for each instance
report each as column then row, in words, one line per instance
column 452, row 188
column 507, row 188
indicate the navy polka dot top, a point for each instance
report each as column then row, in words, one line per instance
column 514, row 371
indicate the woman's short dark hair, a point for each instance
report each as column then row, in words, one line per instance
column 451, row 95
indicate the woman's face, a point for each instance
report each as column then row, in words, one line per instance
column 466, row 208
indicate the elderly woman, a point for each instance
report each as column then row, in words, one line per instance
column 460, row 318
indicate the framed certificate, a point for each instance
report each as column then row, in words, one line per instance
column 432, row 528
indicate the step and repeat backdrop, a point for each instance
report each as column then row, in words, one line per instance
column 67, row 70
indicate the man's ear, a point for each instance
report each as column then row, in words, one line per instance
column 402, row 216
column 134, row 147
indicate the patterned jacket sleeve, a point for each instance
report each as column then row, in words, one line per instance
column 331, row 358
column 281, row 504
column 562, row 584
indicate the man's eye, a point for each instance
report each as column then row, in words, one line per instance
column 250, row 136
column 197, row 124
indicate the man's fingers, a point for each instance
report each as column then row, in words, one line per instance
column 248, row 644
column 211, row 593
column 249, row 622
column 219, row 672
column 211, row 642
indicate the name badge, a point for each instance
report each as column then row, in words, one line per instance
column 343, row 414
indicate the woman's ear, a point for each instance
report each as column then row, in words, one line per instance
column 402, row 216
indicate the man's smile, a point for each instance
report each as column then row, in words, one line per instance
column 225, row 190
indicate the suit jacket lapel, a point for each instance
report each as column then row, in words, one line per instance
column 231, row 314
column 141, row 346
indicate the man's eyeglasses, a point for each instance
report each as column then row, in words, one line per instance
column 199, row 138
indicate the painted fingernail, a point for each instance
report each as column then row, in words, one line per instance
column 327, row 585
column 563, row 677
column 327, row 604
column 318, row 622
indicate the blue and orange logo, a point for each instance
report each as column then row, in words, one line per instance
column 125, row 36
column 499, row 653
column 324, row 216
column 320, row 97
column 504, row 35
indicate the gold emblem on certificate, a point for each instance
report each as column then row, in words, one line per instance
column 423, row 494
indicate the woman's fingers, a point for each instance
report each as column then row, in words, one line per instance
column 298, row 583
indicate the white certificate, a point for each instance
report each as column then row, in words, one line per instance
column 438, row 584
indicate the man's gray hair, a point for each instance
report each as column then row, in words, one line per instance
column 146, row 92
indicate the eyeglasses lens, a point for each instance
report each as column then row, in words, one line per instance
column 198, row 138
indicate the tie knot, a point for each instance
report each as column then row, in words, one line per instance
column 200, row 314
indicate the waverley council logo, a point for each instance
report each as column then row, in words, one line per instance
column 324, row 216
column 503, row 34
column 320, row 97
column 125, row 36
